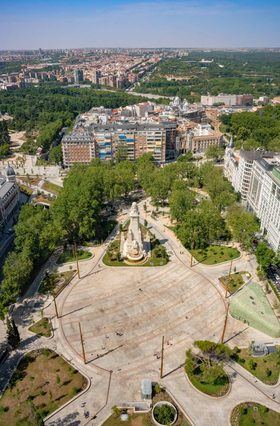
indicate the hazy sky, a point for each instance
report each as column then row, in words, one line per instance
column 139, row 23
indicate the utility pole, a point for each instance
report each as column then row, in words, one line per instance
column 225, row 324
column 161, row 358
column 55, row 305
column 82, row 343
column 77, row 261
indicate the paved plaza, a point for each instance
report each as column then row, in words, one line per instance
column 125, row 311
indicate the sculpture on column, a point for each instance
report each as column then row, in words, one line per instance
column 133, row 245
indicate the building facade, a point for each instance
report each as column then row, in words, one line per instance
column 78, row 147
column 264, row 198
column 256, row 176
column 9, row 197
column 227, row 100
column 199, row 139
column 104, row 141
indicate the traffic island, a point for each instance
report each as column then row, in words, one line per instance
column 42, row 327
column 206, row 373
column 251, row 413
column 213, row 255
column 41, row 384
column 251, row 306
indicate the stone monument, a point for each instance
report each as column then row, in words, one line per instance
column 133, row 245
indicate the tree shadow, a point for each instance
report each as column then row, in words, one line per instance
column 75, row 310
column 173, row 371
column 70, row 419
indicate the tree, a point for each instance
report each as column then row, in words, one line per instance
column 265, row 256
column 180, row 201
column 13, row 336
column 4, row 139
column 55, row 155
column 215, row 152
column 243, row 225
column 201, row 226
column 160, row 185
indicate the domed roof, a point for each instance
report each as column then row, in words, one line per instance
column 10, row 171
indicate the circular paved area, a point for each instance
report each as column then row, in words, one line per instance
column 124, row 312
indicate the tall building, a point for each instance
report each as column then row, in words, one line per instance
column 238, row 167
column 78, row 76
column 9, row 196
column 256, row 176
column 264, row 197
column 96, row 75
column 104, row 141
column 78, row 147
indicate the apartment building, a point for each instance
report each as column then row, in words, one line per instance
column 78, row 147
column 256, row 176
column 133, row 138
column 238, row 168
column 264, row 197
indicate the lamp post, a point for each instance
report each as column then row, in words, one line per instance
column 161, row 358
column 82, row 343
column 77, row 261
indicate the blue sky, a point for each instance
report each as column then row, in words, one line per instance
column 139, row 23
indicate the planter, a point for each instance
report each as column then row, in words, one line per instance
column 160, row 404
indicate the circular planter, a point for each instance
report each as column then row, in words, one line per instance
column 159, row 404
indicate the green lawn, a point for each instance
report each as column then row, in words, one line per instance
column 41, row 327
column 233, row 282
column 251, row 413
column 250, row 305
column 265, row 368
column 42, row 383
column 55, row 282
column 68, row 256
column 215, row 254
column 51, row 187
column 211, row 380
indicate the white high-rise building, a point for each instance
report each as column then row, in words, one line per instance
column 256, row 176
column 264, row 197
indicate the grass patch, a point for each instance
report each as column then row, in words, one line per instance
column 25, row 189
column 251, row 306
column 31, row 395
column 215, row 254
column 233, row 282
column 251, row 413
column 266, row 368
column 31, row 180
column 42, row 327
column 51, row 187
column 56, row 282
column 207, row 376
column 68, row 256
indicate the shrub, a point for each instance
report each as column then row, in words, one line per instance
column 164, row 414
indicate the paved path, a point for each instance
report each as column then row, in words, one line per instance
column 123, row 314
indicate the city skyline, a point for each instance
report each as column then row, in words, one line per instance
column 149, row 23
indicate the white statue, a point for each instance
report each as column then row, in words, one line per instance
column 133, row 245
